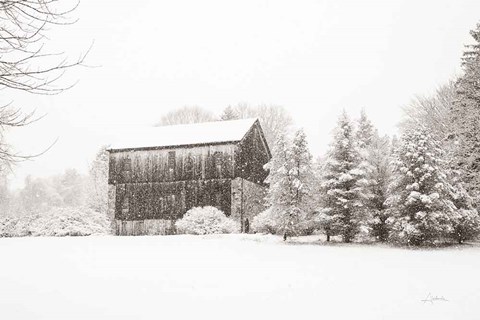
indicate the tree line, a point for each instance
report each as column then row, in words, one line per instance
column 420, row 189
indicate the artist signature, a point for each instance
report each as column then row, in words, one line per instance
column 431, row 299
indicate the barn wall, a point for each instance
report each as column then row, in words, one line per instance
column 169, row 200
column 248, row 197
column 175, row 164
column 251, row 156
column 144, row 227
column 111, row 205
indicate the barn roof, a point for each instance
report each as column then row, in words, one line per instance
column 183, row 135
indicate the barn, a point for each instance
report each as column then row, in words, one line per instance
column 158, row 174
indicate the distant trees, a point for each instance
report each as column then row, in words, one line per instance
column 65, row 190
column 274, row 119
column 69, row 189
column 434, row 113
column 186, row 115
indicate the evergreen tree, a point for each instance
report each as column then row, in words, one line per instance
column 344, row 184
column 465, row 220
column 365, row 131
column 420, row 193
column 98, row 174
column 466, row 116
column 379, row 175
column 290, row 179
column 301, row 183
column 278, row 179
column 229, row 113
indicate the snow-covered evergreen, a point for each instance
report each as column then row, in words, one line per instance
column 365, row 131
column 420, row 201
column 290, row 179
column 98, row 175
column 467, row 116
column 465, row 220
column 302, row 180
column 379, row 175
column 376, row 155
column 344, row 185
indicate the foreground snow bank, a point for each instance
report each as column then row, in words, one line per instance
column 230, row 276
column 56, row 222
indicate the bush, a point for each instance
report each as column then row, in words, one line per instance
column 267, row 221
column 465, row 225
column 57, row 222
column 206, row 220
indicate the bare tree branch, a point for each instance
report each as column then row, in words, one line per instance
column 25, row 65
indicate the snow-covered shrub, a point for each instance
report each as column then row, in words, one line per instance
column 206, row 220
column 274, row 222
column 268, row 221
column 465, row 225
column 16, row 226
column 69, row 222
column 56, row 222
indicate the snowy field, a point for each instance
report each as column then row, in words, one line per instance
column 232, row 277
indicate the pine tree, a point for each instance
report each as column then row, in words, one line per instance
column 98, row 175
column 420, row 193
column 466, row 116
column 344, row 184
column 301, row 180
column 465, row 220
column 290, row 179
column 229, row 113
column 379, row 175
column 365, row 131
column 278, row 179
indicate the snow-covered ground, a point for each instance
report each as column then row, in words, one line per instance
column 232, row 277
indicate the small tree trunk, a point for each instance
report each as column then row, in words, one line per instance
column 284, row 236
column 328, row 237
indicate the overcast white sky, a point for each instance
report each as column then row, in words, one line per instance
column 313, row 57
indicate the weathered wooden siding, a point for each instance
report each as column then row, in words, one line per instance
column 144, row 227
column 251, row 156
column 170, row 200
column 176, row 164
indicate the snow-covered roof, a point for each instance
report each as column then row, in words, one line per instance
column 181, row 135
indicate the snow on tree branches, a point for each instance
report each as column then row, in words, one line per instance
column 290, row 178
column 344, row 186
column 467, row 116
column 420, row 200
